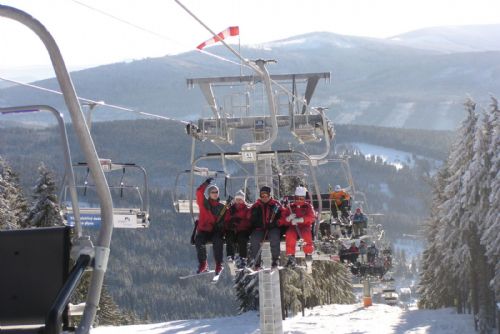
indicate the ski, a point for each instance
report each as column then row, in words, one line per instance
column 200, row 274
column 232, row 267
column 309, row 268
column 251, row 272
column 216, row 277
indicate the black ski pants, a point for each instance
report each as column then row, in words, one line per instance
column 200, row 241
column 239, row 239
column 256, row 239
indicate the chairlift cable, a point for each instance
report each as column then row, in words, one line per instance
column 93, row 101
column 152, row 32
column 112, row 106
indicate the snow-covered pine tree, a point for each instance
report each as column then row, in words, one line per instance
column 108, row 312
column 434, row 288
column 45, row 210
column 461, row 230
column 332, row 284
column 247, row 291
column 491, row 224
column 7, row 217
column 297, row 288
column 446, row 264
column 13, row 206
column 456, row 231
column 477, row 187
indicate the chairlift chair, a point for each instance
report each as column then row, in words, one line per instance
column 235, row 180
column 123, row 217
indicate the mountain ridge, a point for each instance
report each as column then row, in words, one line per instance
column 374, row 82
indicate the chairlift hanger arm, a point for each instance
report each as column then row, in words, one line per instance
column 88, row 149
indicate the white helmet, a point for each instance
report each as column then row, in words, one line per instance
column 338, row 188
column 300, row 191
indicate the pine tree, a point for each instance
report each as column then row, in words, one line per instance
column 477, row 186
column 463, row 229
column 45, row 210
column 247, row 291
column 490, row 237
column 108, row 312
column 13, row 206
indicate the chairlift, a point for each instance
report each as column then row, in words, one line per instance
column 136, row 216
column 183, row 195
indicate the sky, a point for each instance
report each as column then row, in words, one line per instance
column 155, row 28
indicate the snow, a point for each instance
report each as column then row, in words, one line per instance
column 326, row 319
column 393, row 157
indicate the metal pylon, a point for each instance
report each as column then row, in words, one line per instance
column 269, row 296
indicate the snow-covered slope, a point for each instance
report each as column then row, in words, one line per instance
column 338, row 319
column 449, row 39
column 394, row 157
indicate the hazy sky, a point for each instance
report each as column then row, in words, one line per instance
column 87, row 37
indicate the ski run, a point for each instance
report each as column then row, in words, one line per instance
column 338, row 319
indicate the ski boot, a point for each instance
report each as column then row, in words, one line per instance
column 241, row 263
column 218, row 268
column 291, row 263
column 275, row 263
column 309, row 263
column 202, row 267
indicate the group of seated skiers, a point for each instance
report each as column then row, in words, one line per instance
column 365, row 260
column 238, row 223
column 267, row 219
column 351, row 226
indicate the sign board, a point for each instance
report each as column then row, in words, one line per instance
column 125, row 221
column 248, row 156
column 94, row 220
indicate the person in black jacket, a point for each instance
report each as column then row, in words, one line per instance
column 265, row 221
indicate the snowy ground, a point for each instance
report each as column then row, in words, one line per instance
column 393, row 157
column 338, row 319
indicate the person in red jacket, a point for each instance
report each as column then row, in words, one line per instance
column 237, row 229
column 299, row 218
column 265, row 221
column 209, row 226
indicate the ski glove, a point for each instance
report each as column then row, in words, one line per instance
column 296, row 221
column 290, row 217
column 209, row 180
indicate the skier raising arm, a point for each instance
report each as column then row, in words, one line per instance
column 210, row 225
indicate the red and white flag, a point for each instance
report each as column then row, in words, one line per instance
column 231, row 31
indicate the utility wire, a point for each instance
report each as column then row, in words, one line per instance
column 152, row 32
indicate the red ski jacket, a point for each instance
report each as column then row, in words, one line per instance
column 237, row 218
column 209, row 210
column 305, row 211
column 260, row 215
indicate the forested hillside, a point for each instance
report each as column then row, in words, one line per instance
column 145, row 265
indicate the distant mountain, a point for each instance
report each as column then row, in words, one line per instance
column 452, row 39
column 374, row 81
